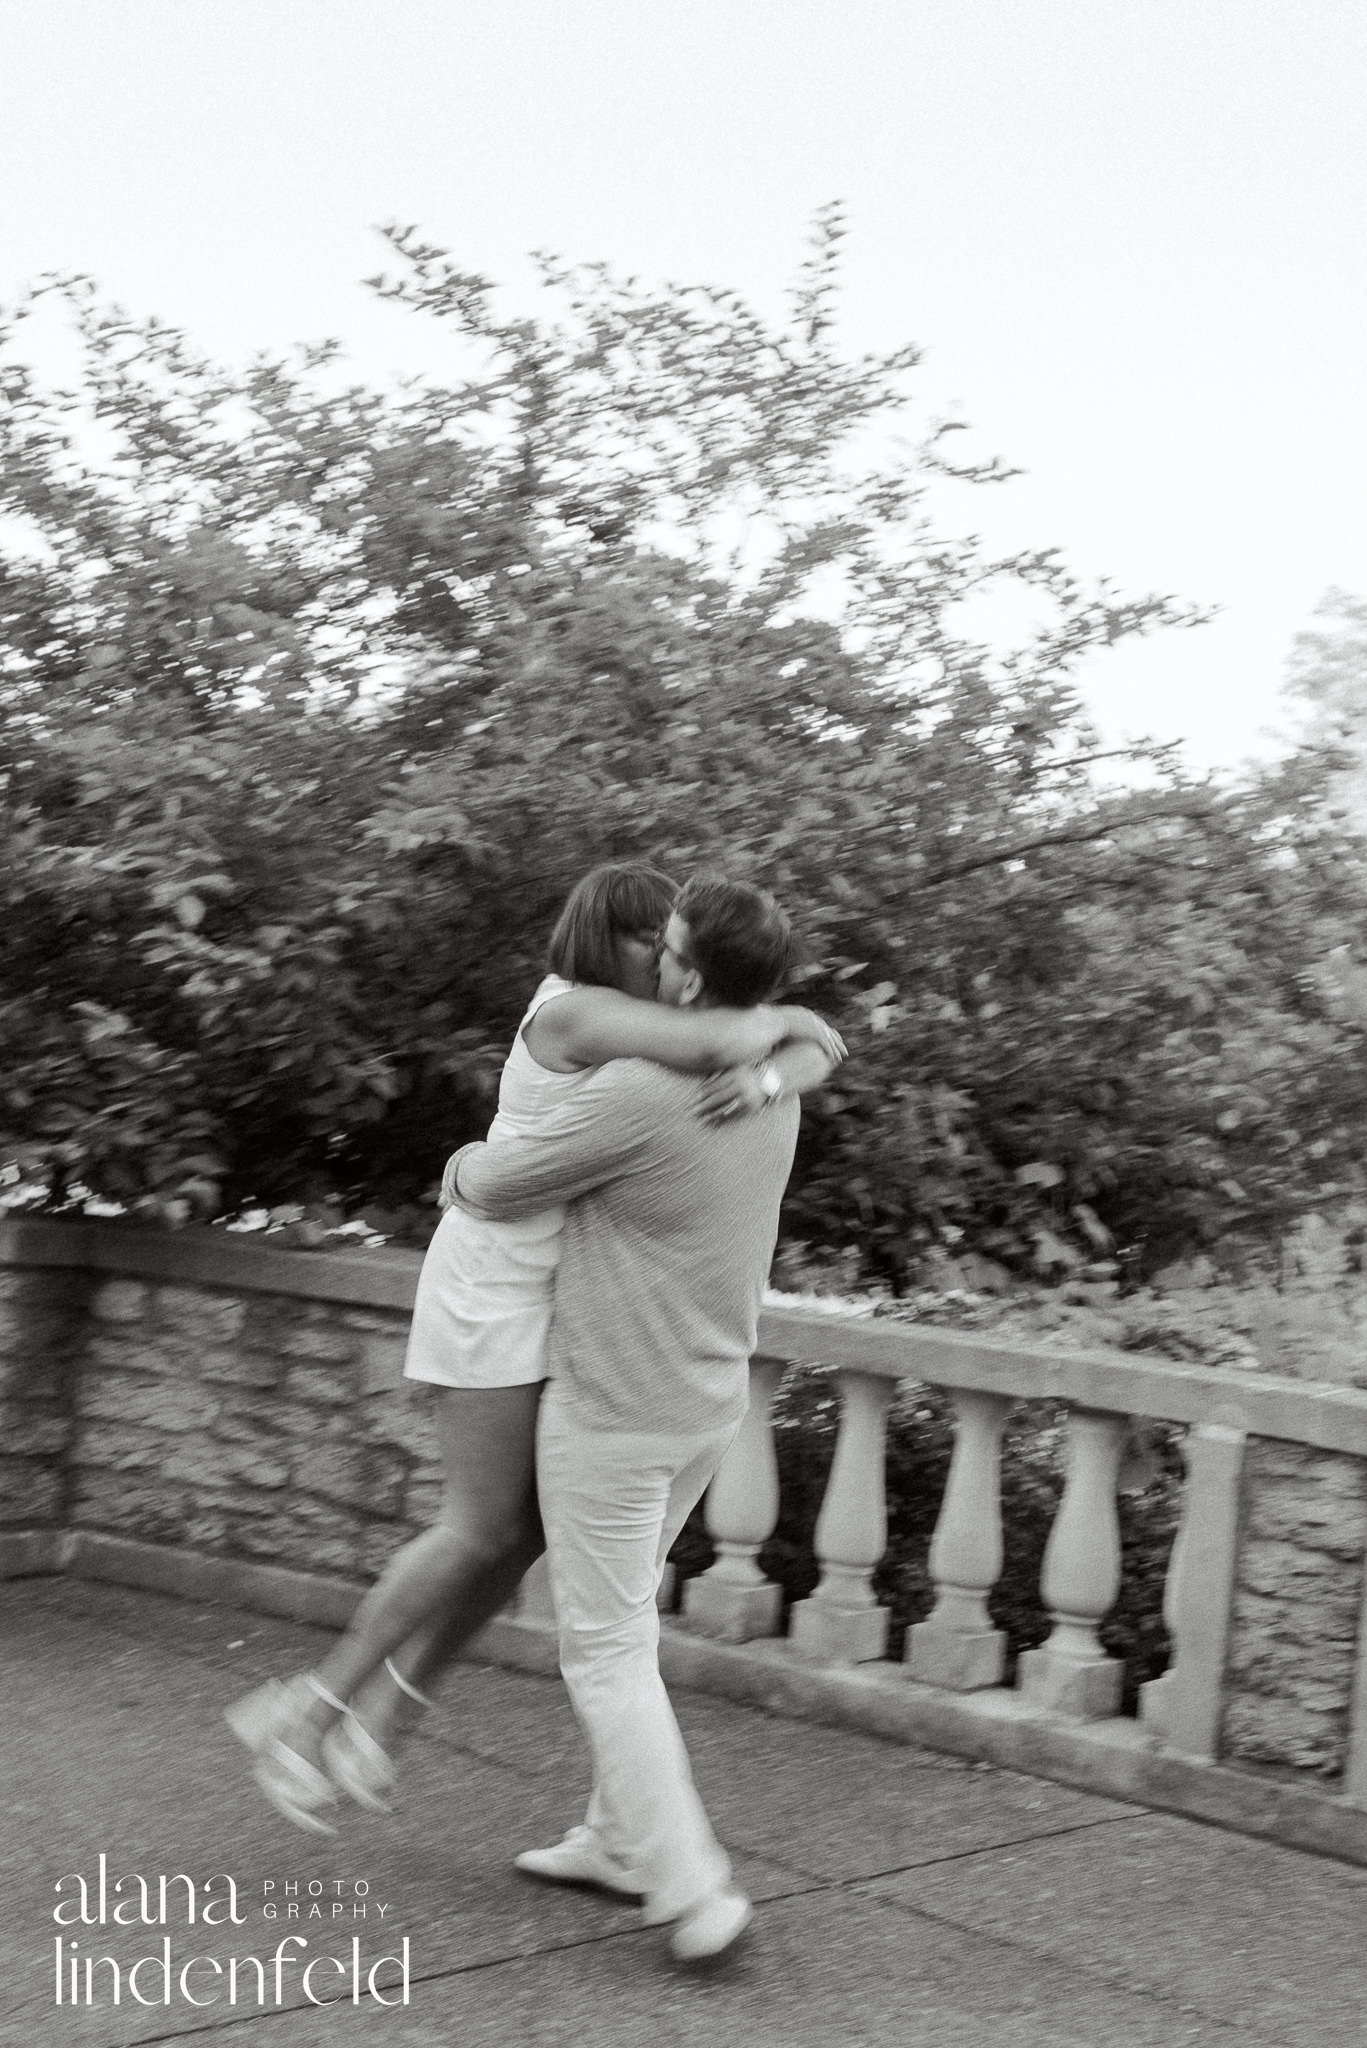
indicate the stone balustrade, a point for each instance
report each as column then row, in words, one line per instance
column 212, row 1397
column 1266, row 1586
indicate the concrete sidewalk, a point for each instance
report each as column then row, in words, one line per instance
column 904, row 1896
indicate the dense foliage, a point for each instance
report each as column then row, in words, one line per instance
column 314, row 700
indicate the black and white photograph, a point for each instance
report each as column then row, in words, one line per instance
column 683, row 1024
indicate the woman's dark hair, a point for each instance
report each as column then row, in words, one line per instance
column 620, row 899
column 738, row 938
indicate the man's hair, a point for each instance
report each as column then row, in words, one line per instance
column 620, row 899
column 738, row 938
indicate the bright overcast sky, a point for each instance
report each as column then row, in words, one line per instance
column 1129, row 234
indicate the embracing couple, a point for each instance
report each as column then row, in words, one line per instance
column 585, row 1314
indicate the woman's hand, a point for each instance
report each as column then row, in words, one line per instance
column 449, row 1199
column 734, row 1093
column 805, row 1024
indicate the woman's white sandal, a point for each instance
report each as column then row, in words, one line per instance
column 358, row 1766
column 356, row 1762
column 295, row 1787
column 403, row 1684
column 255, row 1718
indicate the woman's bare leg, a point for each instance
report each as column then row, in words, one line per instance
column 424, row 1657
column 441, row 1588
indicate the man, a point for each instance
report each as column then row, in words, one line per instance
column 667, row 1244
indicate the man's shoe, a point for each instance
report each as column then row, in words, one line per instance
column 581, row 1859
column 711, row 1930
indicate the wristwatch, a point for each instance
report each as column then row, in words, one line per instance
column 771, row 1082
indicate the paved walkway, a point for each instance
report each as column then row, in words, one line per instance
column 904, row 1897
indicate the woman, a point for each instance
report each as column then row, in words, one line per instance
column 481, row 1321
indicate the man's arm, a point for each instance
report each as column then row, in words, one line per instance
column 611, row 1128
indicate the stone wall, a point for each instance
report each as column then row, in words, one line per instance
column 250, row 1426
column 42, row 1326
column 213, row 1396
column 239, row 1402
column 1297, row 1604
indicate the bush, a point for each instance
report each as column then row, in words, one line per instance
column 314, row 701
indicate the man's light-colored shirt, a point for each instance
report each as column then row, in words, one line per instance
column 668, row 1239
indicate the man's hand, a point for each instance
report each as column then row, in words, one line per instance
column 736, row 1092
column 449, row 1197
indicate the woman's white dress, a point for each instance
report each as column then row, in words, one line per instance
column 483, row 1310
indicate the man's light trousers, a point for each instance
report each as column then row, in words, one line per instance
column 612, row 1505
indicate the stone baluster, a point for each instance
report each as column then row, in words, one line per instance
column 733, row 1600
column 842, row 1622
column 957, row 1646
column 1184, row 1706
column 1071, row 1673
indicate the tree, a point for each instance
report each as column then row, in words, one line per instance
column 1326, row 675
column 317, row 699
